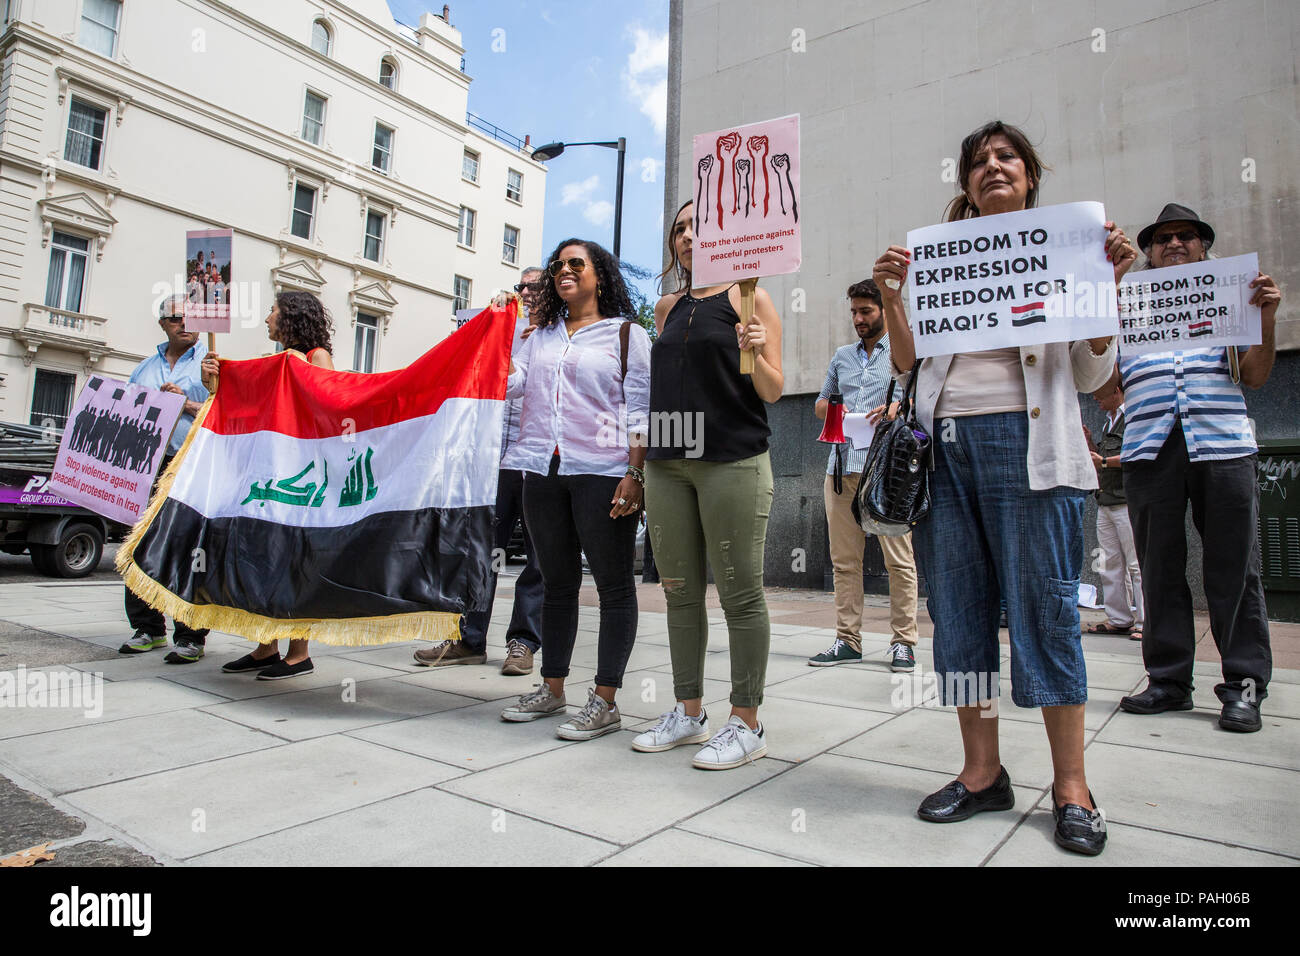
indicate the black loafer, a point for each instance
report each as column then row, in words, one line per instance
column 1240, row 716
column 1079, row 829
column 250, row 663
column 954, row 802
column 282, row 670
column 1156, row 699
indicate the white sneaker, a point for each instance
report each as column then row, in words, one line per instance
column 733, row 745
column 594, row 720
column 674, row 728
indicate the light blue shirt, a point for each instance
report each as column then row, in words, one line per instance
column 187, row 374
column 863, row 380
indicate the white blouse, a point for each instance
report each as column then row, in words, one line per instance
column 575, row 398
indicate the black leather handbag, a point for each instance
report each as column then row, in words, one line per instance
column 895, row 490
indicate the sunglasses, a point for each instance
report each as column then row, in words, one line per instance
column 521, row 286
column 174, row 318
column 576, row 265
column 1186, row 236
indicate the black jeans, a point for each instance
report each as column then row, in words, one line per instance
column 526, row 620
column 568, row 515
column 143, row 618
column 1225, row 510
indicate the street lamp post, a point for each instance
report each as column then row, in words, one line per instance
column 551, row 150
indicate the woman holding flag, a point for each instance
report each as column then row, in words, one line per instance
column 301, row 325
column 1009, row 469
column 584, row 375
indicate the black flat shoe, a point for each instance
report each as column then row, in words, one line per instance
column 250, row 663
column 1079, row 829
column 282, row 669
column 954, row 802
column 1156, row 699
column 1240, row 716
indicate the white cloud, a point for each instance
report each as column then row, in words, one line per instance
column 599, row 213
column 645, row 77
column 571, row 193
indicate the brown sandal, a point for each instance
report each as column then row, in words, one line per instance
column 1105, row 628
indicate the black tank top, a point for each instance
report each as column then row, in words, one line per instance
column 695, row 368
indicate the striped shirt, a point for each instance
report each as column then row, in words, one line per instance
column 863, row 380
column 1192, row 388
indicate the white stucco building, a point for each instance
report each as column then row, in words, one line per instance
column 335, row 142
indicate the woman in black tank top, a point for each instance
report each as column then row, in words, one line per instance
column 708, row 497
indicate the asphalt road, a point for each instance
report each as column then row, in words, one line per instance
column 16, row 569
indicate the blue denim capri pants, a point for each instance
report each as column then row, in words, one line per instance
column 989, row 536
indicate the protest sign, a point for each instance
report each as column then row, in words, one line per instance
column 208, row 280
column 746, row 202
column 859, row 429
column 1018, row 278
column 112, row 446
column 1195, row 306
column 464, row 315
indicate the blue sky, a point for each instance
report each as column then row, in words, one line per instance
column 574, row 72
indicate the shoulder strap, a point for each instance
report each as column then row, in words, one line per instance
column 624, row 331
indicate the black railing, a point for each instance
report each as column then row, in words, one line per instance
column 496, row 132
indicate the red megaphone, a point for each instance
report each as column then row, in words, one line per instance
column 833, row 430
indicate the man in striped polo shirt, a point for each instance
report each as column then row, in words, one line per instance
column 1188, row 439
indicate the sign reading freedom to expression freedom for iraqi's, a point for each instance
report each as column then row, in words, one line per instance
column 1193, row 306
column 112, row 445
column 746, row 202
column 1018, row 278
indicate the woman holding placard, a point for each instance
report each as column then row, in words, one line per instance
column 709, row 502
column 1010, row 469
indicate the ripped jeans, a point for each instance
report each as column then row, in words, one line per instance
column 714, row 511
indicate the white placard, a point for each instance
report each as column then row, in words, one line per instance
column 1018, row 278
column 1193, row 306
column 859, row 430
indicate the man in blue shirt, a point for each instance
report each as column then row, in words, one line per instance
column 1188, row 440
column 174, row 367
column 861, row 373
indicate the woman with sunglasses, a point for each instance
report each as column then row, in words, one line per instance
column 584, row 375
column 300, row 323
column 711, row 502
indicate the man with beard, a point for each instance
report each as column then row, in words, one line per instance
column 861, row 373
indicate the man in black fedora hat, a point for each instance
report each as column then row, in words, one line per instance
column 1188, row 440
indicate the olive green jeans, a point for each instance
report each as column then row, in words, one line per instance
column 714, row 511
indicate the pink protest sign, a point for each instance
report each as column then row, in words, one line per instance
column 208, row 279
column 747, row 202
column 112, row 446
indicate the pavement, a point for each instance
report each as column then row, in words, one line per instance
column 374, row 760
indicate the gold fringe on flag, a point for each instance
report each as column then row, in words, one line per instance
column 351, row 631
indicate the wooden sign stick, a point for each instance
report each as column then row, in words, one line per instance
column 212, row 347
column 747, row 290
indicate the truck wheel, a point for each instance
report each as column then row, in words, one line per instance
column 78, row 552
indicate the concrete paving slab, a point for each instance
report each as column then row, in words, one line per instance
column 398, row 657
column 648, row 694
column 1197, row 732
column 1102, row 704
column 643, row 656
column 604, row 788
column 1283, row 700
column 1229, row 802
column 334, row 710
column 116, row 700
column 95, row 754
column 207, row 676
column 424, row 828
column 486, row 682
column 1113, row 675
column 223, row 802
column 838, row 811
column 846, row 685
column 679, row 848
column 1032, row 845
column 798, row 729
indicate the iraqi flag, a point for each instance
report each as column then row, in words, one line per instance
column 341, row 507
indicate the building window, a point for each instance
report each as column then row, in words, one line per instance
column 363, row 359
column 52, row 398
column 85, row 143
column 313, row 118
column 382, row 156
column 69, row 257
column 320, row 37
column 515, row 185
column 469, row 166
column 460, row 287
column 388, row 73
column 99, row 22
column 374, row 248
column 304, row 211
column 510, row 245
column 467, row 220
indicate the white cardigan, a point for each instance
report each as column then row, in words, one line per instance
column 1054, row 376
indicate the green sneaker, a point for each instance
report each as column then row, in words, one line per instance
column 837, row 653
column 185, row 653
column 141, row 642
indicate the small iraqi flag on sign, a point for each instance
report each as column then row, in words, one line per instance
column 1027, row 314
column 341, row 507
column 1197, row 329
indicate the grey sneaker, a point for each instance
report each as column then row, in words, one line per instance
column 595, row 719
column 184, row 653
column 447, row 653
column 539, row 702
column 141, row 642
